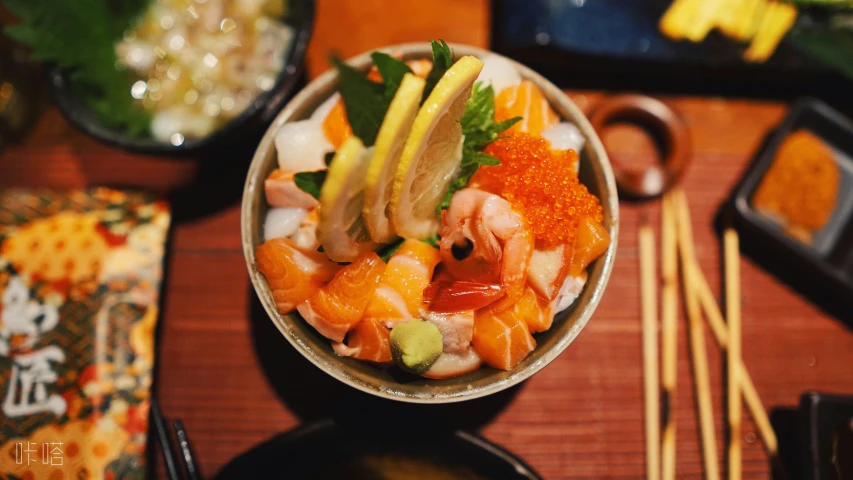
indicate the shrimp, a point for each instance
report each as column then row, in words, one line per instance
column 484, row 240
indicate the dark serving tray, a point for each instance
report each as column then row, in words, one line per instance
column 616, row 44
column 826, row 264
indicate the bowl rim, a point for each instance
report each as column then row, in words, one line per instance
column 323, row 87
column 262, row 108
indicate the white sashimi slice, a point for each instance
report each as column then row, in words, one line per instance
column 499, row 73
column 454, row 364
column 572, row 288
column 564, row 136
column 456, row 328
column 283, row 222
column 547, row 270
column 302, row 146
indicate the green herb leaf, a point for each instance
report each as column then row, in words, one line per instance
column 80, row 37
column 442, row 59
column 392, row 71
column 433, row 240
column 480, row 130
column 364, row 101
column 328, row 158
column 831, row 46
column 310, row 182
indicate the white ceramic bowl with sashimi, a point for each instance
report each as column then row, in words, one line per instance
column 430, row 223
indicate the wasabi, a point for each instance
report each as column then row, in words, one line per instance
column 415, row 345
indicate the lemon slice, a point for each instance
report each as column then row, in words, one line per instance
column 432, row 152
column 341, row 229
column 386, row 156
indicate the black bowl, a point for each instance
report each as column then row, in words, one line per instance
column 300, row 16
column 327, row 449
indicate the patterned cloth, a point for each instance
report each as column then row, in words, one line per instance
column 80, row 276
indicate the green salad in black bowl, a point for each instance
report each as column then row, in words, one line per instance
column 167, row 77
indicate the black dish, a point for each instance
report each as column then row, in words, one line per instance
column 827, row 264
column 300, row 16
column 329, row 450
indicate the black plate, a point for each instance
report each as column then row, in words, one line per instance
column 299, row 16
column 328, row 450
column 828, row 262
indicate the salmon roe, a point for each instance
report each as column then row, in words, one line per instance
column 542, row 184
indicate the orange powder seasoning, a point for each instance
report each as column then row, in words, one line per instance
column 542, row 184
column 801, row 186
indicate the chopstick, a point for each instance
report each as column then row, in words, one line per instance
column 669, row 340
column 732, row 262
column 701, row 376
column 750, row 394
column 162, row 430
column 650, row 350
column 186, row 450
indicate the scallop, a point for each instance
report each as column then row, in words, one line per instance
column 499, row 73
column 283, row 222
column 302, row 146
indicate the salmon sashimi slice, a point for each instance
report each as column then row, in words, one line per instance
column 502, row 339
column 401, row 289
column 370, row 340
column 337, row 307
column 591, row 241
column 281, row 191
column 537, row 312
column 292, row 274
column 527, row 101
column 336, row 126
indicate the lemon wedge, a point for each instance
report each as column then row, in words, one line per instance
column 386, row 157
column 432, row 153
column 341, row 230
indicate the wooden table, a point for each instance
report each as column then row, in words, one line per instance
column 225, row 370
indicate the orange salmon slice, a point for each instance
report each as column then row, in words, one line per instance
column 293, row 275
column 527, row 101
column 502, row 339
column 370, row 341
column 336, row 308
column 401, row 289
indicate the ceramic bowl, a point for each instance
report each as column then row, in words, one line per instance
column 299, row 16
column 595, row 173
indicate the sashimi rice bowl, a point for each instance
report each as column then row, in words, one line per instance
column 430, row 223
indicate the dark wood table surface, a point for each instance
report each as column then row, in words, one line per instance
column 225, row 370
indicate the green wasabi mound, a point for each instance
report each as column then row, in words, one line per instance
column 415, row 345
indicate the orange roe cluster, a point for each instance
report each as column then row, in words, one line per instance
column 542, row 184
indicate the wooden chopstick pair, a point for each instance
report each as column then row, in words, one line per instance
column 677, row 237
